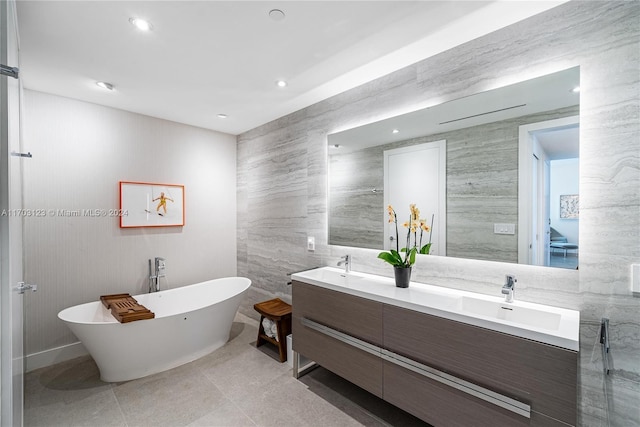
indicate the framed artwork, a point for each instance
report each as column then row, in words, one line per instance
column 569, row 206
column 144, row 204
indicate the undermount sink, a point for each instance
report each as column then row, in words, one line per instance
column 511, row 313
column 332, row 276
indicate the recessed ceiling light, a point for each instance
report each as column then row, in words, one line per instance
column 281, row 83
column 395, row 131
column 222, row 116
column 276, row 14
column 105, row 85
column 335, row 146
column 576, row 89
column 141, row 24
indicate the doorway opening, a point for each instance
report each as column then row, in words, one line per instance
column 549, row 193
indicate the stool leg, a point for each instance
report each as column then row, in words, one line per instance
column 260, row 340
column 282, row 341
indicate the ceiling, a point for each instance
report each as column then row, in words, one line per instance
column 204, row 58
column 545, row 93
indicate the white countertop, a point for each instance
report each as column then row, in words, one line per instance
column 543, row 323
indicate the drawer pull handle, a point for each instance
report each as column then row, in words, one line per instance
column 604, row 340
column 485, row 394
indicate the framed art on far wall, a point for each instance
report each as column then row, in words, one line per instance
column 145, row 204
column 569, row 206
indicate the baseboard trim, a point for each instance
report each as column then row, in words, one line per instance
column 50, row 357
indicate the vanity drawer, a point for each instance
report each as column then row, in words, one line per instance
column 355, row 316
column 442, row 405
column 539, row 374
column 359, row 367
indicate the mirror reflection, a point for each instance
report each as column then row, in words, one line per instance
column 497, row 172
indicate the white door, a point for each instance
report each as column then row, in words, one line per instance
column 546, row 199
column 533, row 245
column 11, row 300
column 417, row 175
column 540, row 217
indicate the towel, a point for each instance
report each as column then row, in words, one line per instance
column 270, row 328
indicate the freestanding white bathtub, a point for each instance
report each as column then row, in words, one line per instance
column 189, row 323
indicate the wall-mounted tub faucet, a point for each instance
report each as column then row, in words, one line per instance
column 346, row 261
column 508, row 289
column 156, row 274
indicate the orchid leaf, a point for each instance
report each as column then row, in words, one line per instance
column 412, row 255
column 426, row 249
column 391, row 258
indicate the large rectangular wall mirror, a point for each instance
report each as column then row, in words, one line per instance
column 505, row 187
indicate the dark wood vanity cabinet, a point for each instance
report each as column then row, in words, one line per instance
column 358, row 317
column 541, row 376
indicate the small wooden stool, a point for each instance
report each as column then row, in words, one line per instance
column 279, row 312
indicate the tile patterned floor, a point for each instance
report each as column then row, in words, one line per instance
column 557, row 259
column 237, row 385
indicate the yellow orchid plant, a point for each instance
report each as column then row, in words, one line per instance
column 395, row 257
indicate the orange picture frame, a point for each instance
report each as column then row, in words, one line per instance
column 147, row 204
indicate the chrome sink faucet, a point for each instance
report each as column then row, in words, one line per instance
column 346, row 261
column 508, row 289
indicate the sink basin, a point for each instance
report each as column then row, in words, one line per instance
column 325, row 275
column 511, row 313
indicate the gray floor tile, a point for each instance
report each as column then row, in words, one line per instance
column 98, row 409
column 176, row 397
column 68, row 382
column 235, row 386
column 225, row 415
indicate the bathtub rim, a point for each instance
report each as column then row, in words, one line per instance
column 247, row 282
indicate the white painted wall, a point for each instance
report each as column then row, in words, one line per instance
column 565, row 179
column 80, row 153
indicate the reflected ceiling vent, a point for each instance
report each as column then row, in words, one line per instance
column 483, row 114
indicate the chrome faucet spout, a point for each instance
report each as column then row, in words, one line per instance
column 346, row 261
column 508, row 289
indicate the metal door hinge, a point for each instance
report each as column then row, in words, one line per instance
column 23, row 287
column 5, row 70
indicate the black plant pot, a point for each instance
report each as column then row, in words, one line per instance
column 403, row 276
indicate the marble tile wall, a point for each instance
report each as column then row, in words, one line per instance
column 353, row 177
column 282, row 183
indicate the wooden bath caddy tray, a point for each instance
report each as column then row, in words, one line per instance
column 125, row 308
